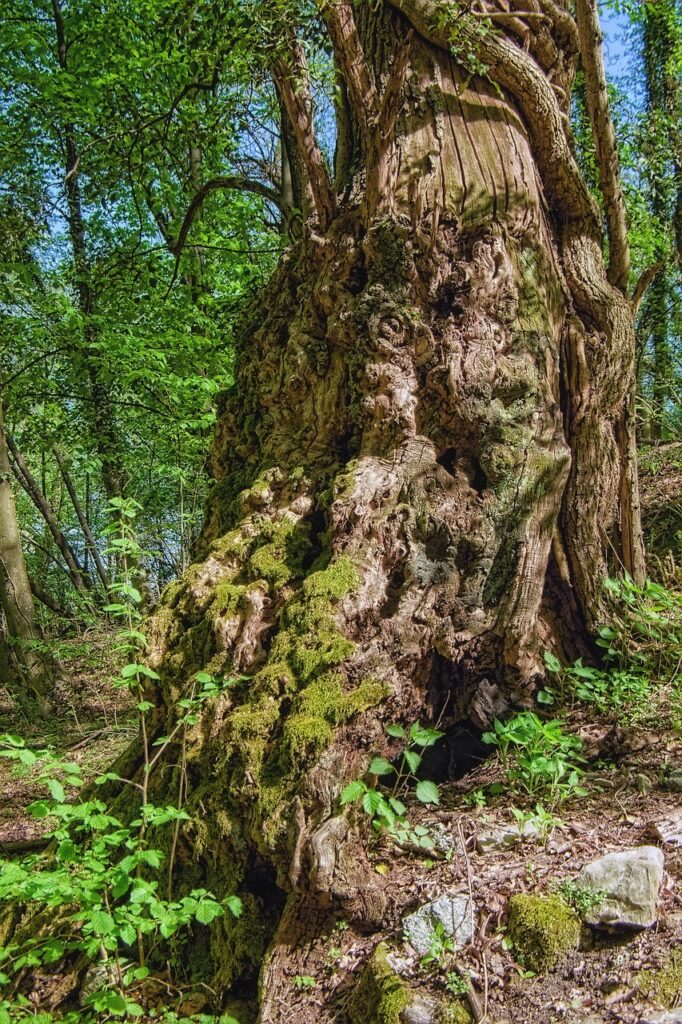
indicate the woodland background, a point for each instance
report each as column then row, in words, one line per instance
column 146, row 198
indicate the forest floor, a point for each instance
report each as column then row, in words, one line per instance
column 609, row 978
column 628, row 804
column 91, row 722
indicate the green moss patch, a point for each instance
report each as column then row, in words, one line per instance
column 664, row 986
column 455, row 1012
column 305, row 735
column 543, row 929
column 379, row 996
column 239, row 943
column 338, row 579
column 326, row 697
column 282, row 549
column 226, row 597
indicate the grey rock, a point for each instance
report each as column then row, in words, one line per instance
column 444, row 839
column 421, row 1010
column 675, row 780
column 503, row 838
column 664, row 1017
column 453, row 910
column 631, row 880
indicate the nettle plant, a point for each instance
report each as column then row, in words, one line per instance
column 538, row 757
column 642, row 655
column 384, row 806
column 97, row 888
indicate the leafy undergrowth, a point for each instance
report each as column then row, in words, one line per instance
column 590, row 770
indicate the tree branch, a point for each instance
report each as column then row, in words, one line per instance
column 604, row 141
column 645, row 280
column 48, row 600
column 234, row 182
column 293, row 83
column 362, row 92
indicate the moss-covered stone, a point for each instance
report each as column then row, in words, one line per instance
column 663, row 986
column 456, row 1011
column 543, row 929
column 379, row 996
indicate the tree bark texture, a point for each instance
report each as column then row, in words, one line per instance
column 422, row 471
column 24, row 670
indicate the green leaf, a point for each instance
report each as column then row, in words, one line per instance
column 372, row 801
column 396, row 731
column 56, row 790
column 234, row 905
column 67, row 851
column 38, row 809
column 132, row 669
column 53, row 950
column 551, row 661
column 353, row 791
column 398, row 806
column 101, row 922
column 12, row 740
column 424, row 737
column 427, row 792
column 127, row 934
column 380, row 766
column 208, row 911
column 412, row 759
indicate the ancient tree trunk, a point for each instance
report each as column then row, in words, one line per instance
column 23, row 669
column 426, row 457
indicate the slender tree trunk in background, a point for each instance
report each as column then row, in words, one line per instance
column 23, row 474
column 101, row 409
column 422, row 471
column 90, row 543
column 28, row 673
column 662, row 28
column 656, row 320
